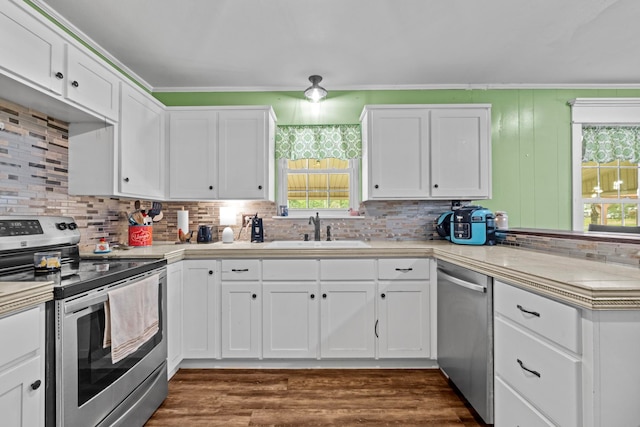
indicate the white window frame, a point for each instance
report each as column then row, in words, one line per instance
column 595, row 111
column 354, row 190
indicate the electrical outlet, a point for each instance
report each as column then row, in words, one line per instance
column 246, row 219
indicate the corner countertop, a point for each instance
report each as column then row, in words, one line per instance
column 589, row 284
column 15, row 296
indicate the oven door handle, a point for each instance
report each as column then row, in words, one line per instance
column 82, row 303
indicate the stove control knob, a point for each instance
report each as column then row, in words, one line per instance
column 72, row 226
column 61, row 226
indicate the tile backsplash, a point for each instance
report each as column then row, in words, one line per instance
column 34, row 169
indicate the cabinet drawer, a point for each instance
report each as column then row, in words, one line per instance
column 512, row 410
column 286, row 269
column 347, row 269
column 20, row 334
column 240, row 269
column 403, row 268
column 555, row 321
column 542, row 374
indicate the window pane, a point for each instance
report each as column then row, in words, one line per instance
column 630, row 215
column 609, row 183
column 297, row 164
column 592, row 214
column 312, row 183
column 629, row 184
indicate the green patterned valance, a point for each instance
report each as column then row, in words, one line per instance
column 319, row 142
column 604, row 144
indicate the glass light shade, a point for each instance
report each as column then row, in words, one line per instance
column 315, row 92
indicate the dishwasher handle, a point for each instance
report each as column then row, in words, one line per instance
column 463, row 283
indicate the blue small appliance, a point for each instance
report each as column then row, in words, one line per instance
column 473, row 225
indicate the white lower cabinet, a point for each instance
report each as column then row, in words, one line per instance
column 241, row 319
column 347, row 308
column 305, row 309
column 200, row 300
column 241, row 308
column 515, row 410
column 403, row 327
column 531, row 357
column 22, row 381
column 347, row 320
column 174, row 317
column 290, row 320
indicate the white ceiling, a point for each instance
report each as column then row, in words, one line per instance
column 223, row 45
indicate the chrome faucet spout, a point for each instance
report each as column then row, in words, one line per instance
column 316, row 226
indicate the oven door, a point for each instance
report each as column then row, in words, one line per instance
column 89, row 386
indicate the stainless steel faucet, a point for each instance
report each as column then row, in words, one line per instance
column 316, row 225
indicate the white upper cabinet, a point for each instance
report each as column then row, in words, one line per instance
column 398, row 154
column 125, row 159
column 461, row 153
column 31, row 52
column 91, row 83
column 221, row 153
column 245, row 143
column 142, row 144
column 193, row 155
column 426, row 151
column 51, row 72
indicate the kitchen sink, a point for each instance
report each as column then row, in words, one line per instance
column 301, row 244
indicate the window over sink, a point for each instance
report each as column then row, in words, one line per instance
column 319, row 168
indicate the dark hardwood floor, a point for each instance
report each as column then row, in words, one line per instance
column 311, row 397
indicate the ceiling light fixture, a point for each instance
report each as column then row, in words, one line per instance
column 315, row 92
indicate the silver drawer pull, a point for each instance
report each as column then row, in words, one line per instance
column 404, row 270
column 239, row 270
column 536, row 373
column 533, row 313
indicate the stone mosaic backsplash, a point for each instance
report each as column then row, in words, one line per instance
column 601, row 249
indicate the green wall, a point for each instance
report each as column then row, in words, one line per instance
column 531, row 136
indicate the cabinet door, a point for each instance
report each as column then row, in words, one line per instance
column 200, row 313
column 347, row 325
column 398, row 148
column 460, row 153
column 91, row 84
column 192, row 155
column 31, row 52
column 22, row 395
column 290, row 320
column 242, row 150
column 403, row 319
column 141, row 145
column 174, row 317
column 241, row 320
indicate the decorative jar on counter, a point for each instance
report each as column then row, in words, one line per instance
column 502, row 220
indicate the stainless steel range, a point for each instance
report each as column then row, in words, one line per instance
column 84, row 386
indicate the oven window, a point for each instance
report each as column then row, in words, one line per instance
column 95, row 368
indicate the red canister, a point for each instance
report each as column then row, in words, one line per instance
column 140, row 235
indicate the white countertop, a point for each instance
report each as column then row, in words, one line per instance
column 589, row 284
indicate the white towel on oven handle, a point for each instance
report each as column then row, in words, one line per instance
column 131, row 316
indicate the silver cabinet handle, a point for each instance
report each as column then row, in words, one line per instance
column 463, row 283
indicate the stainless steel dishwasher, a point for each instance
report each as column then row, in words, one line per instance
column 465, row 334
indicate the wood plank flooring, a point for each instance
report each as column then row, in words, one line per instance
column 311, row 397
